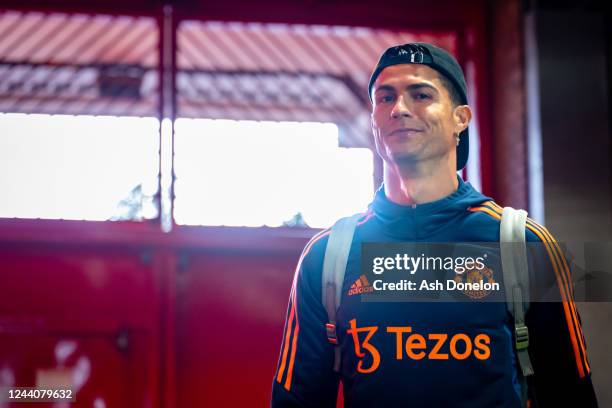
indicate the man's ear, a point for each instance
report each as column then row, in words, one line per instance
column 462, row 116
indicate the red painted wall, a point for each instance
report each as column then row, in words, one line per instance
column 83, row 314
column 165, row 320
column 230, row 316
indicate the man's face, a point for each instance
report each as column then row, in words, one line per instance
column 413, row 118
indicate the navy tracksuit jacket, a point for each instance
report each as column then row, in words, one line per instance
column 377, row 370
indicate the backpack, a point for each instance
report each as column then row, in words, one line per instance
column 514, row 268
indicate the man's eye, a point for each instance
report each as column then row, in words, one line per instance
column 385, row 99
column 422, row 96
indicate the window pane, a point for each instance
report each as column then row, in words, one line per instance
column 78, row 167
column 248, row 173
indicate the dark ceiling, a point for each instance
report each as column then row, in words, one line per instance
column 382, row 13
column 378, row 13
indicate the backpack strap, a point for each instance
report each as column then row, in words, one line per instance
column 334, row 267
column 516, row 281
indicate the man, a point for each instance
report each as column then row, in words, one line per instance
column 427, row 354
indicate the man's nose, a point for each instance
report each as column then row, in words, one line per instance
column 401, row 108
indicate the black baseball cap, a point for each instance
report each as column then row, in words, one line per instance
column 441, row 61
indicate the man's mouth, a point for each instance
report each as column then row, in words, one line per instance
column 405, row 131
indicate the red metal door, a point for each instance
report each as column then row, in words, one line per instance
column 230, row 316
column 82, row 318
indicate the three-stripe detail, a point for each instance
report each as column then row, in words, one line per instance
column 292, row 325
column 562, row 276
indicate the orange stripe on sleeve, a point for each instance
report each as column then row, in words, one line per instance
column 367, row 216
column 292, row 312
column 563, row 279
column 486, row 210
column 562, row 275
column 293, row 350
column 281, row 370
column 291, row 342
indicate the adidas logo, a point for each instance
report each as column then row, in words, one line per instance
column 360, row 286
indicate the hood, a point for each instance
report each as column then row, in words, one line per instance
column 427, row 220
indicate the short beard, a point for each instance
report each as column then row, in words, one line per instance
column 413, row 165
column 406, row 164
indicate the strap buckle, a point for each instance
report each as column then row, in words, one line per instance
column 522, row 336
column 331, row 333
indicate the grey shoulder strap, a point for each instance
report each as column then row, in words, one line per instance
column 516, row 279
column 334, row 267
